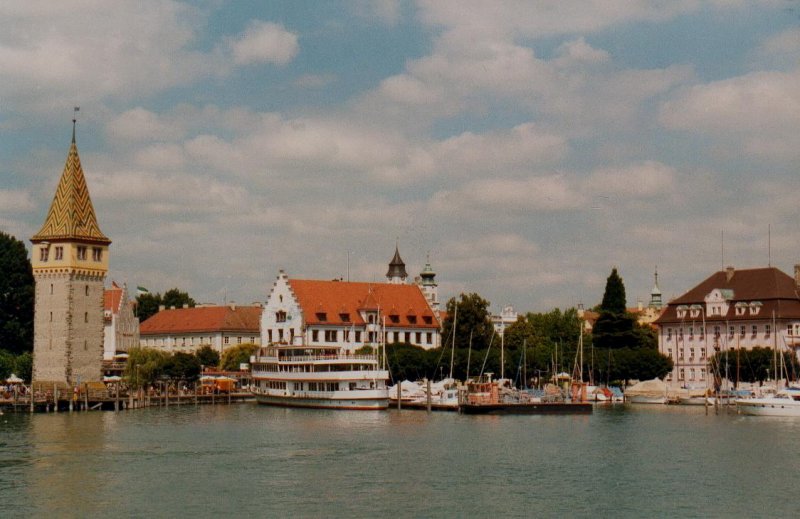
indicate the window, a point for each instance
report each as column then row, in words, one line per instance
column 269, row 336
column 731, row 331
column 358, row 335
column 97, row 253
column 412, row 319
column 669, row 353
column 280, row 316
column 51, row 317
column 680, row 333
column 86, row 290
column 691, row 374
column 86, row 317
column 669, row 334
column 419, row 337
column 51, row 289
column 394, row 319
column 717, row 331
column 754, row 330
column 322, row 317
column 680, row 353
column 742, row 331
column 429, row 338
column 371, row 319
column 59, row 253
column 238, row 340
column 767, row 330
column 81, row 252
column 330, row 335
column 427, row 319
column 691, row 353
column 682, row 374
column 226, row 340
column 702, row 353
column 691, row 333
column 314, row 335
column 280, row 335
column 44, row 252
column 345, row 318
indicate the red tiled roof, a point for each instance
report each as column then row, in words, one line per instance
column 206, row 319
column 339, row 302
column 112, row 298
column 776, row 290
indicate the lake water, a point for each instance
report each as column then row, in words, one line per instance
column 246, row 460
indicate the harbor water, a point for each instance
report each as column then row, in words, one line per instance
column 246, row 460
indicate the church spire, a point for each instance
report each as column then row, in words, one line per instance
column 397, row 269
column 71, row 215
column 655, row 294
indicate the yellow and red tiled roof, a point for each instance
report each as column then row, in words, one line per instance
column 71, row 215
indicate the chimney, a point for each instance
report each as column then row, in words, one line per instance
column 232, row 305
column 161, row 308
column 797, row 275
column 729, row 273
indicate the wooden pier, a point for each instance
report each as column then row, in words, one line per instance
column 94, row 396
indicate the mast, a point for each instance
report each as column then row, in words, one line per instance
column 502, row 355
column 453, row 350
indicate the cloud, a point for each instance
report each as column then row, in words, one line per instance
column 265, row 42
column 758, row 112
column 385, row 11
column 13, row 201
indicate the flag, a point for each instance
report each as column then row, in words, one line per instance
column 141, row 290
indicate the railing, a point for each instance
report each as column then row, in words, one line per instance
column 310, row 358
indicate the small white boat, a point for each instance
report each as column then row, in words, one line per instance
column 647, row 399
column 782, row 404
column 647, row 392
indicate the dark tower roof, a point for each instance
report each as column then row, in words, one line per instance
column 397, row 269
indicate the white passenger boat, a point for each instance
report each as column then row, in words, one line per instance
column 318, row 377
column 782, row 404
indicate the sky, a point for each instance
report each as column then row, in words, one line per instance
column 525, row 148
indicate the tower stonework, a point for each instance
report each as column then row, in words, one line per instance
column 70, row 262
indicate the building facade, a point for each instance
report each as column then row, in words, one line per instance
column 70, row 262
column 121, row 326
column 504, row 319
column 729, row 310
column 188, row 329
column 348, row 315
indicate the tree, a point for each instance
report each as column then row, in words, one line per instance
column 614, row 296
column 182, row 366
column 207, row 356
column 16, row 296
column 473, row 319
column 755, row 365
column 239, row 354
column 144, row 366
column 147, row 304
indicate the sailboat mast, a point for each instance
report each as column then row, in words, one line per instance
column 453, row 349
column 502, row 354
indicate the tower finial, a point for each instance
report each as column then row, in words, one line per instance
column 74, row 120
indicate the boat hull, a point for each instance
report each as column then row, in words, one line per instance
column 640, row 399
column 365, row 403
column 768, row 407
column 529, row 408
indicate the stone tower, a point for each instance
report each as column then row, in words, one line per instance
column 70, row 261
column 397, row 269
column 429, row 286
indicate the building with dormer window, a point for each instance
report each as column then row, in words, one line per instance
column 348, row 314
column 730, row 309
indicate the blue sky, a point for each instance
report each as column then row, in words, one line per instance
column 527, row 147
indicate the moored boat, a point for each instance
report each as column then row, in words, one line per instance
column 488, row 397
column 318, row 377
column 783, row 403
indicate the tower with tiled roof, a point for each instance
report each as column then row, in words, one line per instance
column 655, row 295
column 70, row 262
column 397, row 269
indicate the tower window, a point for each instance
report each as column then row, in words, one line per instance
column 87, row 290
column 44, row 253
column 86, row 317
column 51, row 289
column 59, row 253
column 81, row 252
column 97, row 253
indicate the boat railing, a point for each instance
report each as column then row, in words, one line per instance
column 310, row 358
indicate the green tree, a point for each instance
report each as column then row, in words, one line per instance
column 614, row 296
column 147, row 304
column 207, row 356
column 16, row 296
column 473, row 320
column 755, row 365
column 145, row 366
column 239, row 354
column 23, row 366
column 182, row 366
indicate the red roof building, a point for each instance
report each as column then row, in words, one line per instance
column 187, row 329
column 728, row 310
column 120, row 325
column 347, row 314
